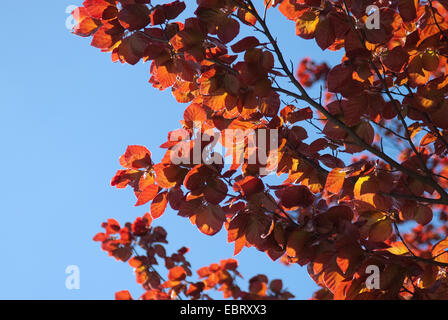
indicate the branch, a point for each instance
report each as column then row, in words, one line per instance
column 358, row 140
column 433, row 10
column 428, row 179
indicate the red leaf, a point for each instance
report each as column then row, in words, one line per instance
column 300, row 115
column 134, row 16
column 338, row 77
column 229, row 30
column 174, row 9
column 423, row 215
column 324, row 33
column 396, row 59
column 407, row 9
column 249, row 185
column 209, row 219
column 244, row 44
column 215, row 192
column 293, row 196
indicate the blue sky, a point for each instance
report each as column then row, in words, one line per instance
column 66, row 115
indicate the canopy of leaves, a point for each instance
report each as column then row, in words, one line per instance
column 344, row 196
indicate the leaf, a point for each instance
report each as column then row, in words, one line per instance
column 195, row 178
column 332, row 279
column 246, row 17
column 86, row 26
column 324, row 33
column 292, row 196
column 339, row 213
column 353, row 111
column 167, row 176
column 381, row 231
column 175, row 198
column 96, row 8
column 209, row 219
column 306, row 24
column 407, row 9
column 194, row 112
column 296, row 243
column 396, row 59
column 427, row 139
column 229, row 264
column 430, row 61
column 136, row 157
column 339, row 77
column 300, row 115
column 367, row 190
column 440, row 251
column 276, row 286
column 398, row 248
column 123, row 253
column 229, row 30
column 132, row 48
column 343, row 263
column 215, row 192
column 423, row 215
column 134, row 16
column 107, row 36
column 159, row 204
column 245, row 44
column 177, row 274
column 248, row 186
column 123, row 295
column 148, row 194
column 101, row 236
column 220, row 100
column 335, row 180
column 440, row 116
column 173, row 9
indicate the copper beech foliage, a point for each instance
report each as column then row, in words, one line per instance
column 123, row 244
column 345, row 194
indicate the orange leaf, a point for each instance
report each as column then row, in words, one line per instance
column 440, row 251
column 177, row 274
column 148, row 194
column 136, row 157
column 306, row 24
column 220, row 100
column 123, row 295
column 335, row 180
column 159, row 204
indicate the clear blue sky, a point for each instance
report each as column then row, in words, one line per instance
column 66, row 115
